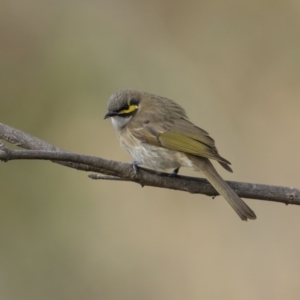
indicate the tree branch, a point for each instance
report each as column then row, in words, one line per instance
column 112, row 170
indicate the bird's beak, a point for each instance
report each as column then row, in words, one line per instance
column 110, row 114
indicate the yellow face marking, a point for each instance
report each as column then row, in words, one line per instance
column 129, row 110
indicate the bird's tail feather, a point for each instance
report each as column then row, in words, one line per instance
column 240, row 207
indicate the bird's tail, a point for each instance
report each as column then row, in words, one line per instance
column 240, row 207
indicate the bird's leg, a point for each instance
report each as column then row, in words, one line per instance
column 134, row 165
column 175, row 172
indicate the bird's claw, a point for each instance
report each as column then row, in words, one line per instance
column 174, row 173
column 135, row 165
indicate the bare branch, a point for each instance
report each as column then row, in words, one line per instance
column 106, row 177
column 112, row 170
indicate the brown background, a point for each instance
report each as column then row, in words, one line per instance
column 234, row 66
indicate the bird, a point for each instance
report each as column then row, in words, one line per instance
column 157, row 133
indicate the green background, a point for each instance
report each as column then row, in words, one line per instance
column 234, row 66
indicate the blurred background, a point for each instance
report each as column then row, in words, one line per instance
column 234, row 66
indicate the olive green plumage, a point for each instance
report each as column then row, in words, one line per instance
column 157, row 133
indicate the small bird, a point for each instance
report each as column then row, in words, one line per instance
column 157, row 133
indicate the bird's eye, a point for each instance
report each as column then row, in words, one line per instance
column 134, row 101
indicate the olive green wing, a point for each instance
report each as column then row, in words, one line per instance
column 180, row 135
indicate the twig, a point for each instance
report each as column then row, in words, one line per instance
column 113, row 170
column 105, row 177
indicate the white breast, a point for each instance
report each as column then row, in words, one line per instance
column 155, row 157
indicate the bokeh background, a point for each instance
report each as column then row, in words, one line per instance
column 234, row 66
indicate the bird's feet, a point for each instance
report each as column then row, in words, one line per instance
column 135, row 165
column 174, row 173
